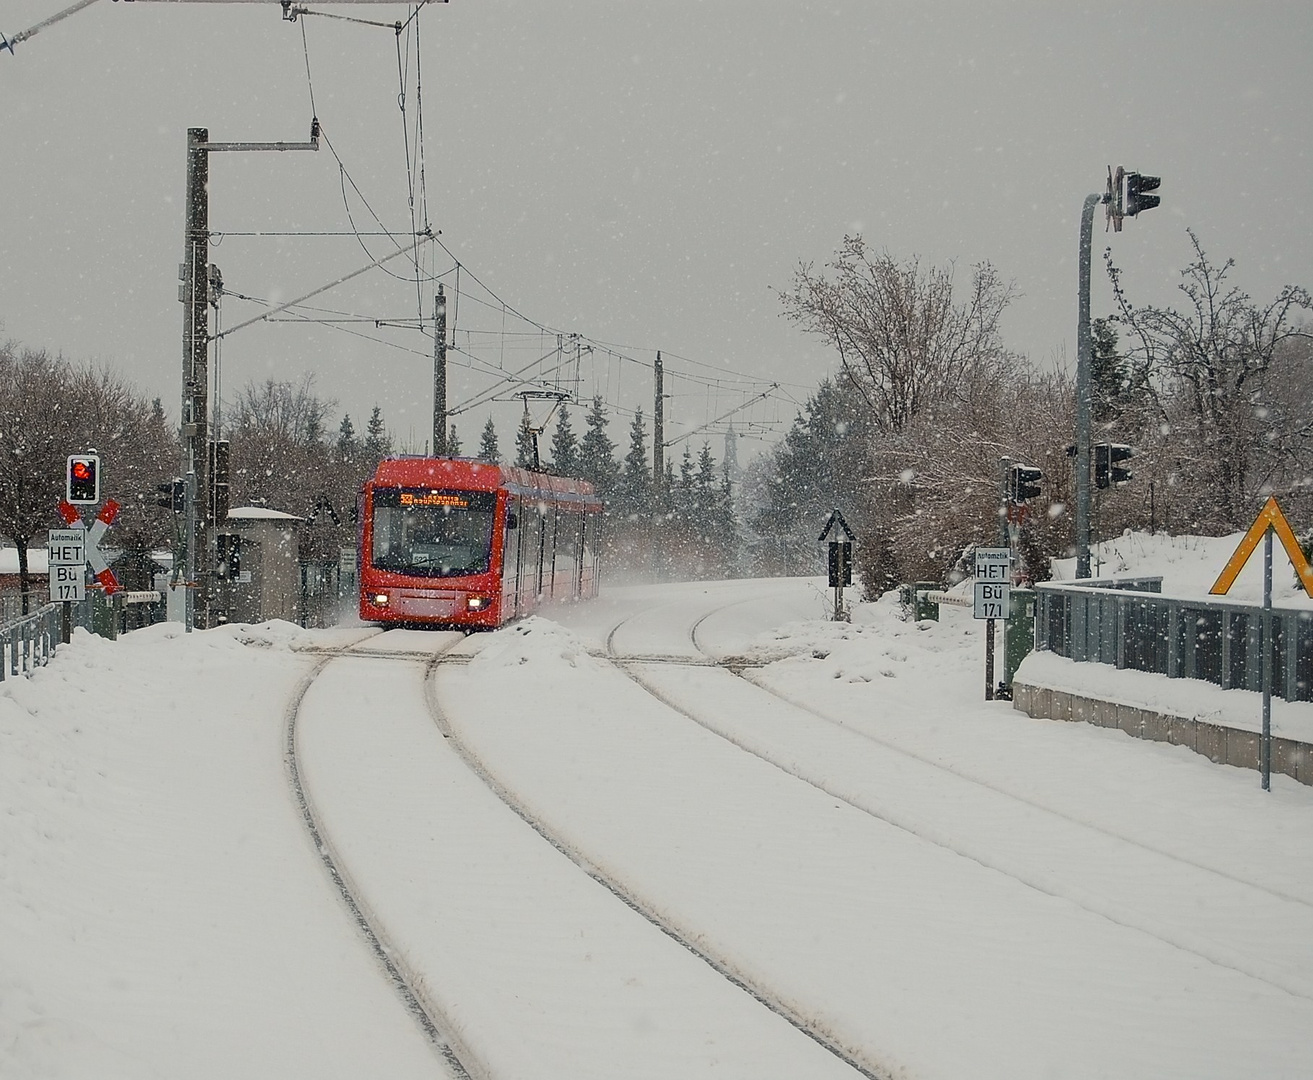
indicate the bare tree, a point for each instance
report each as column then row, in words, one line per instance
column 279, row 453
column 904, row 341
column 36, row 436
column 1207, row 373
column 51, row 410
column 936, row 487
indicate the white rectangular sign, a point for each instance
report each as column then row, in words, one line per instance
column 992, row 600
column 993, row 564
column 66, row 547
column 68, row 582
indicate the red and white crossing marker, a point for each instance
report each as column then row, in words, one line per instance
column 103, row 521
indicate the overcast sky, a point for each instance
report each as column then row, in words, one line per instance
column 642, row 174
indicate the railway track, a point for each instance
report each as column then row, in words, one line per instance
column 408, row 988
column 408, row 971
column 686, row 938
column 641, row 669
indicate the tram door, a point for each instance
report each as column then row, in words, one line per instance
column 510, row 560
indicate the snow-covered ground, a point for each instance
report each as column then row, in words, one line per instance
column 935, row 885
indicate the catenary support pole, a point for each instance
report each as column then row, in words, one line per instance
column 440, row 374
column 195, row 372
column 1083, row 396
column 658, row 426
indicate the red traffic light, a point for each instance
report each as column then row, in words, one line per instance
column 82, row 479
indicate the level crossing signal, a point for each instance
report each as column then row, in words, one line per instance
column 82, row 479
column 1023, row 483
column 1108, row 467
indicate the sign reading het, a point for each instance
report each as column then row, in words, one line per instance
column 67, row 547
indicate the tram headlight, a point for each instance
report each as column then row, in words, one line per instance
column 477, row 603
column 379, row 599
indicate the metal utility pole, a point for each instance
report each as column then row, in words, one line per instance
column 195, row 295
column 195, row 368
column 1083, row 395
column 658, row 428
column 440, row 374
column 1265, row 739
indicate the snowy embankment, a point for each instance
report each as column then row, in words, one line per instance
column 162, row 912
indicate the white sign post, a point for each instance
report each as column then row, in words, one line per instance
column 993, row 595
column 66, row 552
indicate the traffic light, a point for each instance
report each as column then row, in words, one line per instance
column 172, row 496
column 82, row 479
column 1136, row 199
column 1108, row 469
column 1024, row 483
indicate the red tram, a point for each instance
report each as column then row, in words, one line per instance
column 456, row 542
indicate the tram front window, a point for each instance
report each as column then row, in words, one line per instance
column 432, row 533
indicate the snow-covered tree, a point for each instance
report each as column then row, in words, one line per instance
column 597, row 462
column 565, row 445
column 488, row 449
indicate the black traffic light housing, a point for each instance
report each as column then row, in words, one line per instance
column 1108, row 469
column 1136, row 199
column 1023, row 483
column 82, row 479
column 173, row 495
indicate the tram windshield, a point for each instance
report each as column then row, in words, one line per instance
column 432, row 533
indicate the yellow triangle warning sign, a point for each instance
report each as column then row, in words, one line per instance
column 1270, row 517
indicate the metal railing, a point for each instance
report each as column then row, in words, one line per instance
column 29, row 641
column 1218, row 641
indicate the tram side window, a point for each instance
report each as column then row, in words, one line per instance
column 567, row 541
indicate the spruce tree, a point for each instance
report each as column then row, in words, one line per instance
column 565, row 446
column 488, row 449
column 597, row 462
column 635, row 488
column 1108, row 374
column 453, row 442
column 347, row 443
column 378, row 443
column 526, row 445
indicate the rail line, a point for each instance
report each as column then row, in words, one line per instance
column 633, row 669
column 632, row 900
column 432, row 1022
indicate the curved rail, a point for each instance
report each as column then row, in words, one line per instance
column 633, row 671
column 630, row 898
column 435, row 1026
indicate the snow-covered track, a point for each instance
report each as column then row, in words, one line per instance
column 429, row 1018
column 632, row 899
column 1178, row 936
